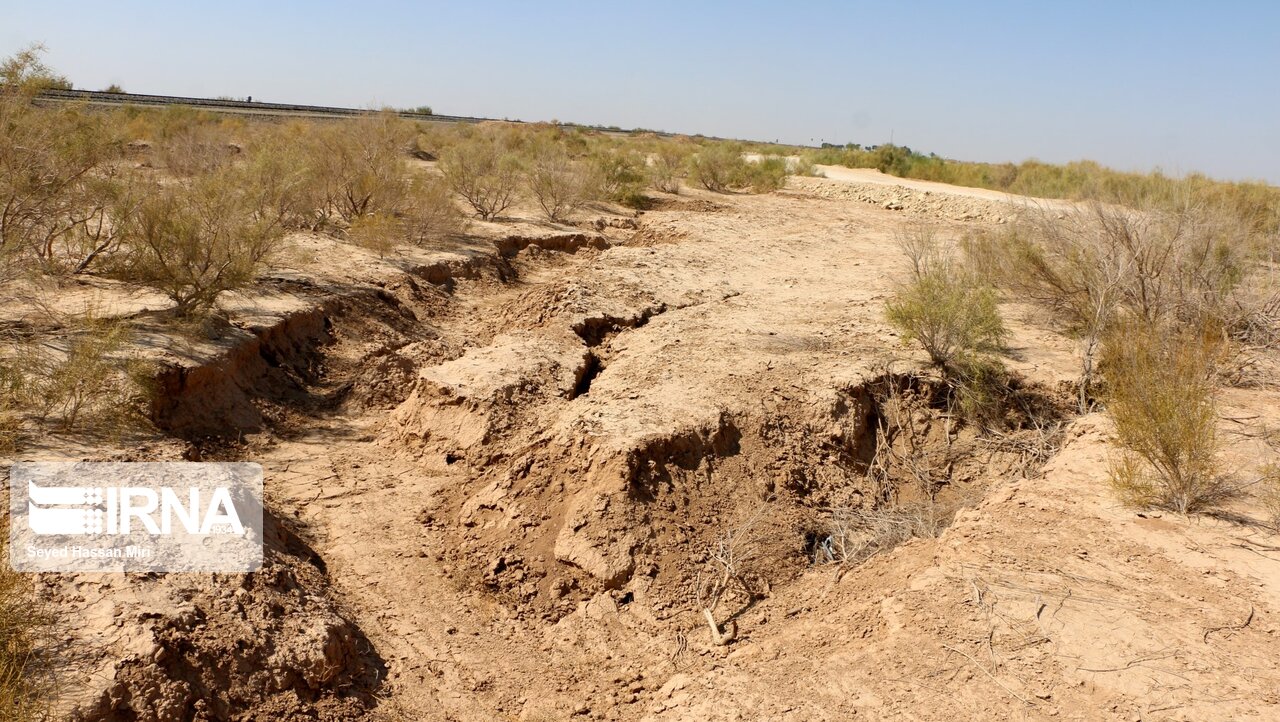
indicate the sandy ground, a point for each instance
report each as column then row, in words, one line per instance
column 497, row 480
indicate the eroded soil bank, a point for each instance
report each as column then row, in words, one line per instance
column 498, row 487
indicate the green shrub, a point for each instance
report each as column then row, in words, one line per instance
column 1089, row 266
column 86, row 383
column 765, row 175
column 26, row 74
column 1162, row 395
column 945, row 308
column 620, row 175
column 717, row 167
column 51, row 163
column 10, row 406
column 804, row 166
column 196, row 149
column 378, row 232
column 667, row 165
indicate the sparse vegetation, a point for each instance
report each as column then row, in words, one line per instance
column 51, row 187
column 428, row 212
column 25, row 690
column 377, row 232
column 943, row 306
column 721, row 167
column 558, row 183
column 1162, row 395
column 192, row 241
column 667, row 165
column 85, row 382
column 196, row 150
column 718, row 167
column 10, row 406
column 1269, row 495
column 1255, row 203
column 766, row 175
column 728, row 573
column 485, row 171
column 358, row 165
column 620, row 175
column 856, row 534
column 24, row 73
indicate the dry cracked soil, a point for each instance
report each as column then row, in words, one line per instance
column 499, row 477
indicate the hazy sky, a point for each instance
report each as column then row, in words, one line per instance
column 1178, row 85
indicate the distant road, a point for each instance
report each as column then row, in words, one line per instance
column 94, row 97
column 242, row 107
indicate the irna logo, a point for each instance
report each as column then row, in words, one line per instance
column 75, row 510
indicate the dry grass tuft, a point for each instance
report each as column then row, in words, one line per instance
column 25, row 688
column 854, row 535
column 1269, row 495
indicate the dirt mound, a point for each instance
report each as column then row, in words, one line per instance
column 927, row 203
column 550, row 519
column 227, row 647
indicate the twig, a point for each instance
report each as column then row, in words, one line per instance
column 1003, row 686
column 1131, row 663
column 1230, row 627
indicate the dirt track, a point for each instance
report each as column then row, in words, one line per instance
column 497, row 487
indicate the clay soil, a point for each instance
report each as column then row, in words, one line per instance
column 497, row 472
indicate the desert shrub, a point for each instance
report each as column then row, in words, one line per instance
column 983, row 391
column 195, row 149
column 667, row 165
column 26, row 689
column 765, row 175
column 10, row 406
column 25, row 73
column 85, row 381
column 559, row 184
column 484, row 171
column 1090, row 266
column 717, row 167
column 277, row 183
column 429, row 211
column 377, row 232
column 620, row 175
column 50, row 159
column 804, row 166
column 194, row 240
column 945, row 308
column 731, row 570
column 1162, row 395
column 1269, row 494
column 359, row 165
column 426, row 212
column 157, row 125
